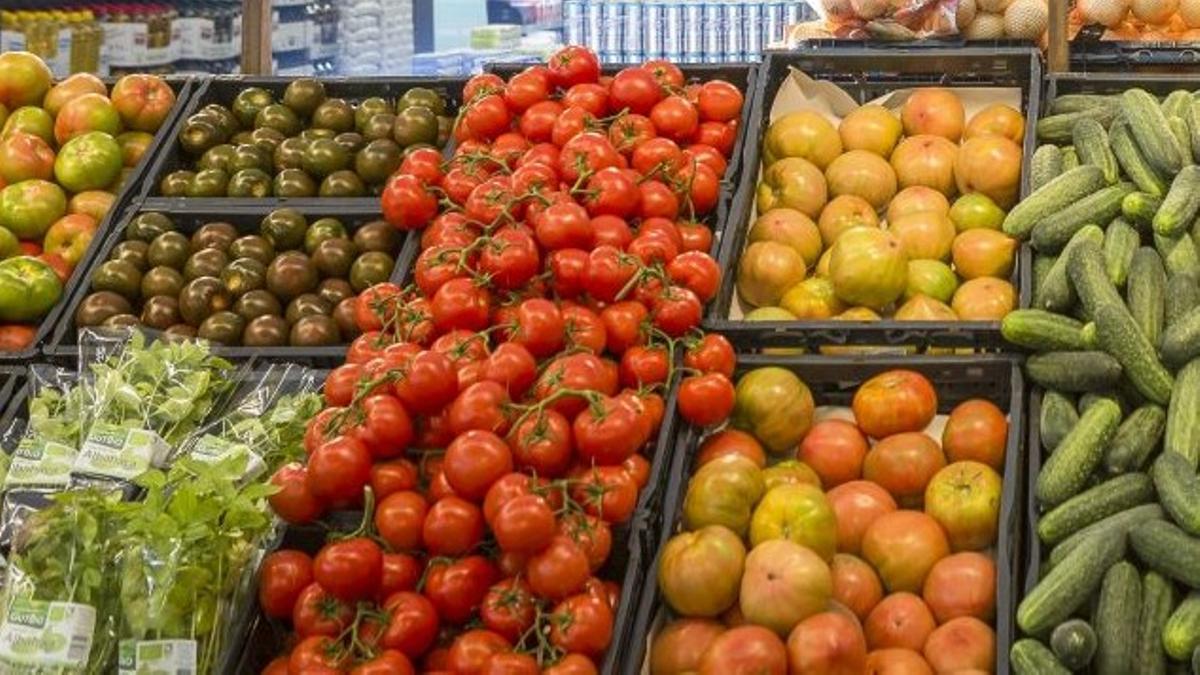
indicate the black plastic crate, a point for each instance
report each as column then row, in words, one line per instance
column 866, row 74
column 64, row 343
column 833, row 381
column 629, row 562
column 1091, row 52
column 1159, row 84
column 222, row 89
column 183, row 87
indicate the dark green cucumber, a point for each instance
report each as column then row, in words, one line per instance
column 1150, row 129
column 1181, row 633
column 1045, row 165
column 1135, row 439
column 1140, row 207
column 1168, row 550
column 1070, row 160
column 1116, row 525
column 1051, row 198
column 1179, row 254
column 1178, row 490
column 1116, row 617
column 1093, row 505
column 1056, row 293
column 1120, row 241
column 1091, row 144
column 1158, row 598
column 1133, row 162
column 1183, row 139
column 1030, row 657
column 1067, row 586
column 1085, row 265
column 1069, row 103
column 1183, row 415
column 1065, row 473
column 1074, row 643
column 1181, row 340
column 1056, row 229
column 1042, row 264
column 1056, row 419
column 1040, row 330
column 1120, row 336
column 1183, row 293
column 1182, row 203
column 1091, row 398
column 1074, row 371
column 1145, row 293
column 1058, row 128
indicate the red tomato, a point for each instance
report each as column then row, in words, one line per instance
column 350, row 569
column 438, row 264
column 318, row 612
column 282, row 576
column 375, row 305
column 482, row 84
column 511, row 366
column 718, row 136
column 651, row 249
column 830, row 642
column 608, row 433
column 657, row 155
column 399, row 519
column 278, row 665
column 317, row 654
column 572, row 664
column 541, row 153
column 676, row 118
column 401, row 572
column 470, row 652
column 573, row 65
column 391, row 477
column 588, row 151
column 367, row 346
column 745, row 649
column 629, row 131
column 538, row 121
column 457, row 588
column 963, row 584
column 676, row 311
column 567, row 268
column 612, row 231
column 526, row 88
column 586, row 626
column 643, row 366
column 475, row 460
column 894, row 401
column 453, row 526
column 539, row 327
column 584, row 329
column 625, row 325
column 484, row 118
column 481, row 406
column 459, row 182
column 903, row 547
column 705, row 400
column 512, row 663
column 635, row 90
column 903, row 464
column 976, row 430
column 509, row 608
column 542, row 442
column 667, row 74
column 491, row 201
column 612, row 192
column 407, row 202
column 704, row 187
column 592, row 535
column 424, row 163
column 506, row 488
column 559, row 570
column 609, row 271
column 607, row 492
column 570, row 123
column 707, row 155
column 658, row 201
column 835, row 449
column 698, row 272
column 339, row 470
column 901, row 621
column 341, row 383
column 386, row 429
column 295, row 501
column 510, row 259
column 461, row 304
column 413, row 624
column 577, row 371
column 426, row 384
column 387, row 662
column 720, row 101
column 524, row 524
column 589, row 96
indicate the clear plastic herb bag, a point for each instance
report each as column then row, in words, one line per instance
column 142, row 396
column 59, row 603
column 264, row 421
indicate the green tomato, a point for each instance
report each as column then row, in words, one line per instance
column 91, row 161
column 775, row 405
column 699, row 572
column 9, row 246
column 28, row 289
column 30, row 207
column 798, row 513
column 723, row 492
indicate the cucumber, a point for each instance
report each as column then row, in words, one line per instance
column 1085, row 265
column 1119, row 336
column 1178, row 490
column 1093, row 505
column 1120, row 241
column 1068, row 103
column 1091, row 144
column 1092, row 398
column 1133, row 162
column 1181, row 340
column 1065, row 473
column 1074, row 371
column 1177, row 103
column 1116, row 525
column 1074, row 643
column 1056, row 229
column 1183, row 415
column 1045, row 165
column 1116, row 618
column 1183, row 293
column 1158, row 597
column 1056, row 293
column 1181, row 633
column 1183, row 139
column 1135, row 439
column 1069, row 584
column 1042, row 264
column 1181, row 204
column 1056, row 419
column 1040, row 330
column 1179, row 254
column 1193, row 119
column 1030, row 657
column 1146, row 292
column 1070, row 160
column 1168, row 550
column 1140, row 207
column 1058, row 128
column 1149, row 127
column 1051, row 198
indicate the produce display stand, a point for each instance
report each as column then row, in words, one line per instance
column 188, row 218
column 859, row 72
column 183, row 87
column 833, row 381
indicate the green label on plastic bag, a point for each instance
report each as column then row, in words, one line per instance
column 39, row 633
column 152, row 657
column 113, row 452
column 40, row 463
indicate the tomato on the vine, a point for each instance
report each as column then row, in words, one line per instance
column 457, row 587
column 558, row 570
column 537, row 123
column 453, row 526
column 509, row 608
column 461, row 304
column 413, row 623
column 612, row 231
column 509, row 259
column 607, row 492
column 283, row 576
column 676, row 311
column 573, row 65
column 338, row 471
column 607, row 432
column 706, row 399
column 401, row 572
column 698, row 272
column 658, row 200
column 630, row 131
column 319, row 612
column 720, row 101
column 400, row 518
column 667, row 74
column 582, row 624
column 636, row 90
column 524, row 524
column 609, row 272
column 424, row 163
column 407, row 202
column 526, row 88
column 612, row 192
column 386, row 429
column 592, row 535
column 587, row 95
column 676, row 118
column 482, row 84
column 644, row 366
column 484, row 118
column 318, row 655
column 350, row 569
column 571, row 122
column 711, row 354
column 542, row 442
column 586, row 152
column 294, row 501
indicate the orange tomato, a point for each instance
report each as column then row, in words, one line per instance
column 856, row 505
column 903, row 464
column 897, row 662
column 903, row 546
column 829, row 643
column 835, row 450
column 963, row 584
column 855, row 584
column 961, row 644
column 731, row 442
column 900, row 620
column 976, row 430
column 894, row 402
